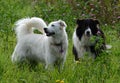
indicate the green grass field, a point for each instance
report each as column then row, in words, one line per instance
column 105, row 69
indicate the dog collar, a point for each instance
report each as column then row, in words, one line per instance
column 58, row 45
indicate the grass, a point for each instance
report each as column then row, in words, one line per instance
column 105, row 69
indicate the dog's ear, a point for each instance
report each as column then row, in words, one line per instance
column 96, row 22
column 79, row 22
column 62, row 23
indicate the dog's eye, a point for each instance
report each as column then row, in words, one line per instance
column 52, row 25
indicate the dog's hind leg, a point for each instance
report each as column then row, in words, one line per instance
column 14, row 58
column 14, row 55
column 17, row 58
column 18, row 55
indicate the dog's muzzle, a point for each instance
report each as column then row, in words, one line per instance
column 48, row 33
column 88, row 33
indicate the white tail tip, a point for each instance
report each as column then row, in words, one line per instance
column 108, row 46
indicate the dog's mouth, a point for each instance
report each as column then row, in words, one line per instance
column 48, row 33
column 88, row 35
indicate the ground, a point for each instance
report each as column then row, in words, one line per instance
column 105, row 69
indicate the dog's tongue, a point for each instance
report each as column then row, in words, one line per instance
column 98, row 32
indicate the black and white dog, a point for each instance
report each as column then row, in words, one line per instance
column 87, row 29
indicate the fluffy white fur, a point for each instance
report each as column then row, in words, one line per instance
column 40, row 47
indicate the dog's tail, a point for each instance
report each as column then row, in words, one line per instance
column 25, row 26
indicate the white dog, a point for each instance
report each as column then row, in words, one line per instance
column 49, row 47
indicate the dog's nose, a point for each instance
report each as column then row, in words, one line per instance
column 45, row 29
column 88, row 32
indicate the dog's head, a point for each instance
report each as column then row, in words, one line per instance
column 55, row 28
column 87, row 27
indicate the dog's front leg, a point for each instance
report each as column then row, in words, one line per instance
column 49, row 66
column 61, row 65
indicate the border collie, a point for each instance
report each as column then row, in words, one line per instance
column 88, row 38
column 48, row 48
